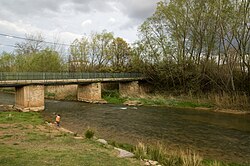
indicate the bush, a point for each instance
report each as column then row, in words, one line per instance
column 158, row 152
column 89, row 133
column 140, row 151
column 189, row 158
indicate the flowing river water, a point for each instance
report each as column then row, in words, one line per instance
column 214, row 135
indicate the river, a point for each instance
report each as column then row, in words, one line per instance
column 214, row 135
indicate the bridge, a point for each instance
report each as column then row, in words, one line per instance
column 29, row 86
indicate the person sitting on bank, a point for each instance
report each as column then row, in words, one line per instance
column 58, row 118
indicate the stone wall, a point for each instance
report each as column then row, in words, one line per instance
column 61, row 92
column 89, row 92
column 134, row 89
column 130, row 89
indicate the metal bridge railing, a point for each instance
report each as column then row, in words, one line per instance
column 56, row 76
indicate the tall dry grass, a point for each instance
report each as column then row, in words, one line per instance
column 166, row 156
column 230, row 101
column 190, row 158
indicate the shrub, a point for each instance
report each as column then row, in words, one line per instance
column 140, row 151
column 167, row 157
column 157, row 152
column 189, row 158
column 89, row 133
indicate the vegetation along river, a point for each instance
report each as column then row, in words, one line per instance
column 218, row 136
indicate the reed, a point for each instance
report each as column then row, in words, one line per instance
column 230, row 101
column 168, row 157
column 140, row 151
column 190, row 158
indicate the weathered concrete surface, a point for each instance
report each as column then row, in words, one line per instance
column 60, row 92
column 30, row 98
column 129, row 88
column 90, row 93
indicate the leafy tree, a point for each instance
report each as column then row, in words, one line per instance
column 79, row 55
column 32, row 55
column 120, row 53
column 197, row 45
column 100, row 49
column 7, row 62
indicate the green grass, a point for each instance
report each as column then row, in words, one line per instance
column 24, row 145
column 124, row 146
column 32, row 118
column 160, row 101
column 15, row 156
column 113, row 97
column 155, row 101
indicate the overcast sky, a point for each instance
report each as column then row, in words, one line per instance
column 70, row 19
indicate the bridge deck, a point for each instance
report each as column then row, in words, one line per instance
column 19, row 79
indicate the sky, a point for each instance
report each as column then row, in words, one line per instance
column 66, row 20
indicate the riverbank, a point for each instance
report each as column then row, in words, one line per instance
column 237, row 104
column 27, row 140
column 216, row 103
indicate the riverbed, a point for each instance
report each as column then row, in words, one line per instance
column 214, row 135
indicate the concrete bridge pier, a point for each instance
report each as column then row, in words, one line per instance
column 131, row 88
column 91, row 92
column 30, row 98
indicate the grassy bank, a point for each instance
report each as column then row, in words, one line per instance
column 177, row 157
column 152, row 100
column 170, row 157
column 237, row 103
column 26, row 140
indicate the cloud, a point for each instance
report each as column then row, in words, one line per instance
column 71, row 18
column 18, row 27
column 68, row 36
column 112, row 20
column 135, row 9
column 86, row 23
column 138, row 9
column 28, row 7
